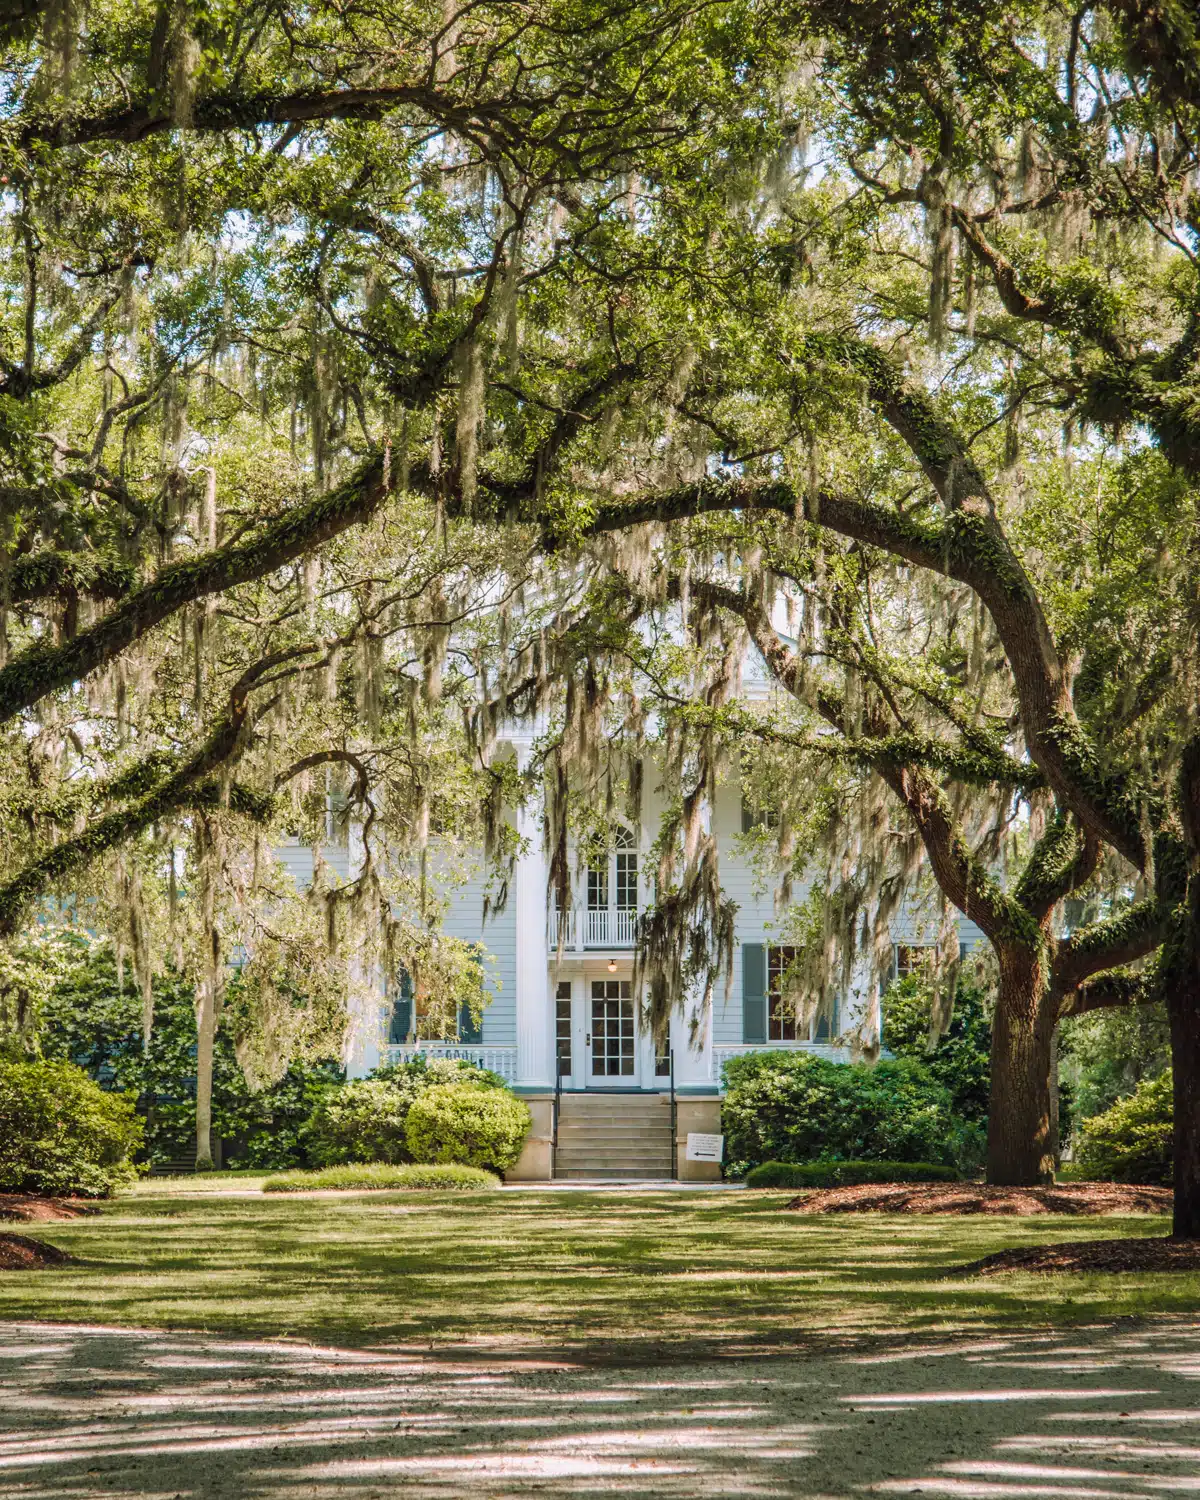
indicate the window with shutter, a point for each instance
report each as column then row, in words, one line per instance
column 470, row 1029
column 401, row 1023
column 754, row 993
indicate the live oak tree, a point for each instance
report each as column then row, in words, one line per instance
column 1073, row 745
column 1052, row 158
column 1106, row 714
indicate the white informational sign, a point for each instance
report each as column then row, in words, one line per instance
column 705, row 1147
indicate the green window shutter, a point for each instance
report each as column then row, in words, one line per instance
column 401, row 1022
column 747, row 815
column 470, row 1030
column 754, row 993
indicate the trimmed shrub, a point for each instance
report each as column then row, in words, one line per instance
column 385, row 1178
column 362, row 1122
column 1132, row 1141
column 62, row 1133
column 793, row 1107
column 821, row 1174
column 464, row 1123
column 365, row 1120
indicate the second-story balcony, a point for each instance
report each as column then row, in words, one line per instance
column 604, row 911
column 589, row 927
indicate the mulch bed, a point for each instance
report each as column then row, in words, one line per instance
column 1105, row 1256
column 977, row 1198
column 19, row 1253
column 29, row 1210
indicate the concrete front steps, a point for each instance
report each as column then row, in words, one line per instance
column 617, row 1136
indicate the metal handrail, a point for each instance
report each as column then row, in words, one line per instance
column 557, row 1106
column 674, row 1122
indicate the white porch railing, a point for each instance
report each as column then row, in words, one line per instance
column 610, row 927
column 722, row 1054
column 582, row 928
column 502, row 1060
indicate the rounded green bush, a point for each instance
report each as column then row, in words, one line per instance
column 476, row 1127
column 361, row 1122
column 62, row 1133
column 1132, row 1141
column 822, row 1174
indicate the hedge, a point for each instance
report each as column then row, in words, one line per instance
column 384, row 1177
column 1132, row 1141
column 367, row 1120
column 360, row 1122
column 822, row 1174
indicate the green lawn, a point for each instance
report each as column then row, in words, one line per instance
column 529, row 1269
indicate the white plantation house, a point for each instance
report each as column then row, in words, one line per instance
column 562, row 1024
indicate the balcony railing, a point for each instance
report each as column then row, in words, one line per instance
column 502, row 1060
column 585, row 927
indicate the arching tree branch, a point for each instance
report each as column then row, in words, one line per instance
column 45, row 669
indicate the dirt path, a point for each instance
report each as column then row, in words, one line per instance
column 90, row 1412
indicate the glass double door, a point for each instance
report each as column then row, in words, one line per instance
column 596, row 1033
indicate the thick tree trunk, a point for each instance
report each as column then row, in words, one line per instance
column 1020, row 1151
column 1183, row 1007
column 1055, row 1103
column 1181, row 984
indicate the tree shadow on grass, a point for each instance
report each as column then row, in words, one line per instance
column 90, row 1412
column 600, row 1276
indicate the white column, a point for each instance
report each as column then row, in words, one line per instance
column 534, row 1012
column 693, row 1060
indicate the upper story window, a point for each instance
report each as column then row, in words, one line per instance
column 614, row 873
column 626, row 862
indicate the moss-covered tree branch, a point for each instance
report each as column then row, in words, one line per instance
column 963, row 877
column 229, row 110
column 43, row 669
column 187, row 786
column 1112, row 944
column 1113, row 990
column 51, row 574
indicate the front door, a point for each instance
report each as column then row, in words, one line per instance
column 612, row 1049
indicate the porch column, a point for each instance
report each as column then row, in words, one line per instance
column 693, row 1060
column 697, row 1105
column 534, row 1070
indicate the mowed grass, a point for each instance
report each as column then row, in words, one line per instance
column 611, row 1271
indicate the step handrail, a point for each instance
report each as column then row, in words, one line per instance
column 557, row 1107
column 674, row 1122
